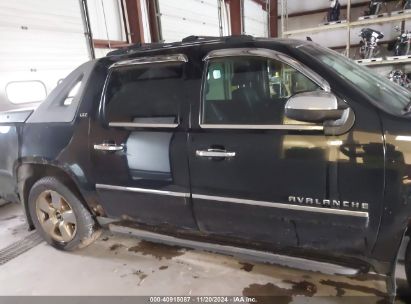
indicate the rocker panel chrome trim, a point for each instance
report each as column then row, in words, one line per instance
column 142, row 190
column 282, row 206
column 362, row 214
column 141, row 125
column 263, row 127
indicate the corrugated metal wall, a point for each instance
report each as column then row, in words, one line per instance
column 40, row 40
column 106, row 20
column 255, row 19
column 182, row 18
column 43, row 40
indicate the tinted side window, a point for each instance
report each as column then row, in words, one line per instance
column 149, row 93
column 250, row 90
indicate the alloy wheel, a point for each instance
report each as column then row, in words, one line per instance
column 56, row 216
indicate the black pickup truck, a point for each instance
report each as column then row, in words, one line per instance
column 266, row 147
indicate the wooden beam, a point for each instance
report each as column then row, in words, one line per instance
column 235, row 16
column 152, row 10
column 109, row 44
column 273, row 18
column 135, row 20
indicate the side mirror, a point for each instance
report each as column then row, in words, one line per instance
column 316, row 106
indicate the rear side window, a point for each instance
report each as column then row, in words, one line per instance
column 72, row 94
column 149, row 93
column 62, row 103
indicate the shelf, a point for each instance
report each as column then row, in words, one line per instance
column 396, row 17
column 375, row 61
column 320, row 28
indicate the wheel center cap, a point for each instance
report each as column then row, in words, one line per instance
column 58, row 215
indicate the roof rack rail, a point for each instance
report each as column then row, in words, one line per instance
column 193, row 38
column 135, row 47
column 239, row 38
column 156, row 45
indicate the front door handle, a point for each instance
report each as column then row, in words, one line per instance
column 215, row 153
column 109, row 147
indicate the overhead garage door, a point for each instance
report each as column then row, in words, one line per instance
column 182, row 18
column 255, row 19
column 41, row 42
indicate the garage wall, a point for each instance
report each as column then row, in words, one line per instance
column 182, row 18
column 255, row 19
column 334, row 38
column 106, row 20
column 41, row 40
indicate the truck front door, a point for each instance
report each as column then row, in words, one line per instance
column 260, row 177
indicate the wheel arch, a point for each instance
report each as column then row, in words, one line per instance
column 395, row 283
column 28, row 173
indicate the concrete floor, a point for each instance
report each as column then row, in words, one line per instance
column 120, row 265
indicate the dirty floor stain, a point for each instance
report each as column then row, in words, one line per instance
column 163, row 267
column 246, row 266
column 368, row 277
column 342, row 286
column 115, row 247
column 303, row 288
column 159, row 251
column 264, row 293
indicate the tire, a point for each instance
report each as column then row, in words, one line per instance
column 60, row 217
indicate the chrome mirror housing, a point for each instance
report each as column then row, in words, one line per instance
column 316, row 106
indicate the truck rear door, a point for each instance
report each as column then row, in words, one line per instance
column 139, row 145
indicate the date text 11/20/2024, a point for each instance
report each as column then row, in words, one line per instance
column 203, row 299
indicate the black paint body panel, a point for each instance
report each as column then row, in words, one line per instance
column 368, row 165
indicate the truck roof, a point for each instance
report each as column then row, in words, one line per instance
column 192, row 41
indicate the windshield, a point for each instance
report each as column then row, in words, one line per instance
column 386, row 94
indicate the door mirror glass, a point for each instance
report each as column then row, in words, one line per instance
column 316, row 106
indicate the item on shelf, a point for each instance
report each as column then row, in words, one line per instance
column 406, row 4
column 333, row 14
column 374, row 8
column 401, row 46
column 400, row 78
column 369, row 44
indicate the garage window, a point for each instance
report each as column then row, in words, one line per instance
column 148, row 94
column 250, row 90
column 20, row 92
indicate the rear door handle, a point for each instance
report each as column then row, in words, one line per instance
column 109, row 147
column 215, row 153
